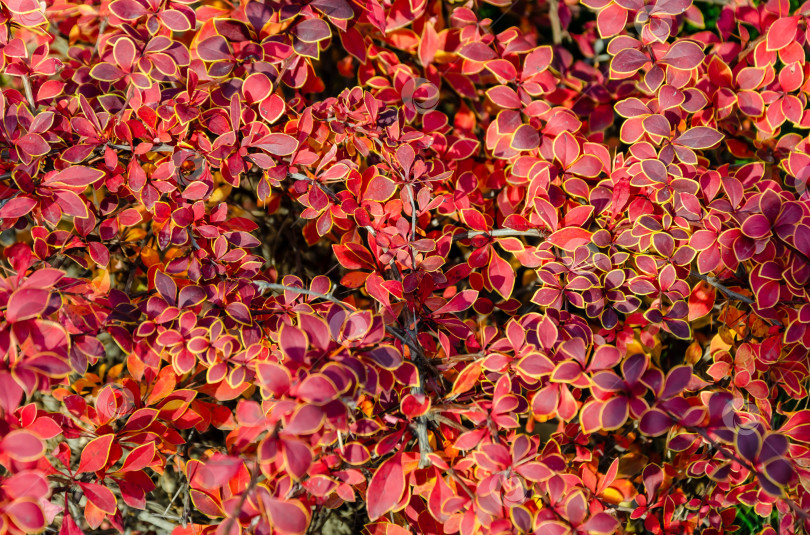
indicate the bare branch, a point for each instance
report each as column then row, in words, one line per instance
column 282, row 288
column 29, row 94
column 500, row 233
column 155, row 148
column 728, row 292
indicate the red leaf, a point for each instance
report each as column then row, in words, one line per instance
column 466, row 379
column 459, row 302
column 629, row 61
column 26, row 515
column 306, row 420
column 505, row 97
column 297, row 457
column 287, row 517
column 797, row 426
column 684, row 55
column 385, row 528
column 26, row 303
column 500, row 275
column 95, row 455
column 76, row 176
column 413, row 405
column 139, row 458
column 312, row 30
column 386, row 487
column 293, row 342
column 386, row 356
column 317, row 388
column 17, row 207
column 600, row 523
column 166, row 287
column 525, row 138
column 701, row 300
column 611, row 20
column 782, row 32
column 71, row 203
column 33, row 144
column 257, row 87
column 478, row 52
column 278, row 144
column 128, row 9
column 214, row 49
column 239, row 312
column 380, row 189
column 22, row 446
column 699, row 137
column 99, row 253
column 570, row 238
column 100, row 496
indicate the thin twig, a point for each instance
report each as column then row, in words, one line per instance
column 29, row 94
column 155, row 148
column 731, row 294
column 254, row 479
column 728, row 292
column 282, row 288
column 734, row 457
column 554, row 16
column 156, row 521
column 101, row 27
column 499, row 233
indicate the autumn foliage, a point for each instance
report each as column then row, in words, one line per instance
column 454, row 267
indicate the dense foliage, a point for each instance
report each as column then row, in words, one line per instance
column 452, row 267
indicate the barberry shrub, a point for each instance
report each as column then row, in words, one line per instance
column 445, row 267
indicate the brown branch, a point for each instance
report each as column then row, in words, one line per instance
column 731, row 294
column 101, row 27
column 254, row 479
column 727, row 291
column 155, row 148
column 734, row 457
column 556, row 26
column 29, row 94
column 500, row 233
column 282, row 288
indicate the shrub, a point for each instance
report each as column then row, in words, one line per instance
column 455, row 267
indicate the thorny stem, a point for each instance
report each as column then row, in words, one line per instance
column 554, row 17
column 499, row 233
column 730, row 293
column 156, row 148
column 421, row 366
column 282, row 288
column 29, row 94
column 101, row 27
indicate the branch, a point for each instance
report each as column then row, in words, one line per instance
column 254, row 479
column 554, row 16
column 736, row 458
column 728, row 292
column 282, row 288
column 422, row 365
column 29, row 94
column 156, row 521
column 155, row 148
column 101, row 27
column 500, row 233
